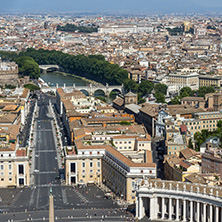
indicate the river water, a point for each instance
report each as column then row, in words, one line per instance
column 55, row 77
column 52, row 78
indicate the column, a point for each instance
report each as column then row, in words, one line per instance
column 137, row 206
column 211, row 213
column 170, row 208
column 163, row 208
column 184, row 211
column 198, row 211
column 51, row 207
column 152, row 208
column 191, row 211
column 217, row 214
column 177, row 210
column 204, row 212
column 141, row 208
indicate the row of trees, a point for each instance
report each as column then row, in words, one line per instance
column 145, row 88
column 73, row 28
column 201, row 137
column 187, row 91
column 93, row 67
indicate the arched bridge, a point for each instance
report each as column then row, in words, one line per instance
column 179, row 201
column 45, row 68
column 90, row 90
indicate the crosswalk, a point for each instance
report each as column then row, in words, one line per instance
column 84, row 199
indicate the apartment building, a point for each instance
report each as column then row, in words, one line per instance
column 181, row 80
column 178, row 167
column 203, row 120
column 105, row 164
column 211, row 160
column 209, row 80
column 14, row 162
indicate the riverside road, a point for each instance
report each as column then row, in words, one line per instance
column 71, row 204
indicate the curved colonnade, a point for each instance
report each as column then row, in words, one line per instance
column 179, row 201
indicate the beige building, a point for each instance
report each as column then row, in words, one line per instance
column 8, row 73
column 204, row 120
column 184, row 79
column 14, row 166
column 209, row 80
column 178, row 167
column 105, row 164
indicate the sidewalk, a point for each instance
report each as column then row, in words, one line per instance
column 57, row 138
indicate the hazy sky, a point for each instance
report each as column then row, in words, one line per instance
column 111, row 5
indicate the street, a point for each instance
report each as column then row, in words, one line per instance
column 34, row 201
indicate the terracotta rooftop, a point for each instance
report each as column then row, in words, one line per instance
column 20, row 153
column 187, row 153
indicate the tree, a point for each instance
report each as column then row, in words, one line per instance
column 204, row 90
column 219, row 124
column 130, row 84
column 28, row 67
column 31, row 87
column 175, row 100
column 160, row 88
column 31, row 69
column 198, row 139
column 160, row 97
column 145, row 87
column 190, row 144
column 125, row 123
column 186, row 91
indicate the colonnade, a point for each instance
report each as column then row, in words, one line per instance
column 178, row 209
column 178, row 201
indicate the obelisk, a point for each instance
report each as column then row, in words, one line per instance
column 51, row 206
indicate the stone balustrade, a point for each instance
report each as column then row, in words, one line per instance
column 173, row 200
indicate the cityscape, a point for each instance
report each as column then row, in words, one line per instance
column 111, row 116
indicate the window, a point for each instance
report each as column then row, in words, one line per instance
column 98, row 164
column 2, row 167
column 2, row 179
column 73, row 167
column 10, row 179
column 129, row 142
column 10, row 167
column 91, row 164
column 91, row 171
column 83, row 164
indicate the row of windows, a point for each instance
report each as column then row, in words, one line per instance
column 91, row 171
column 90, row 164
column 203, row 127
column 2, row 167
column 10, row 179
column 6, row 155
column 125, row 147
column 172, row 148
column 125, row 142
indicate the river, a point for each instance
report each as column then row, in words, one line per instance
column 55, row 77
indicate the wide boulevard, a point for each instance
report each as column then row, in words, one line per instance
column 70, row 204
